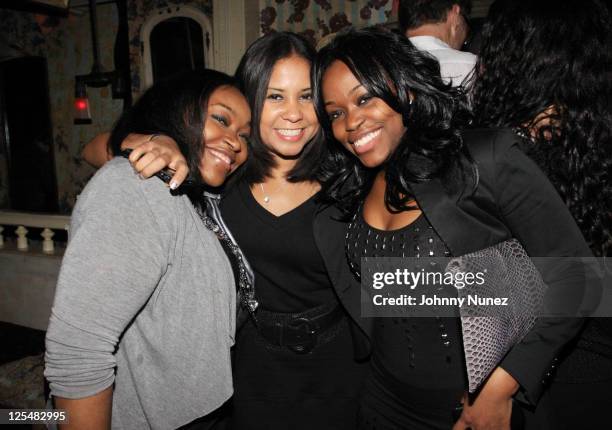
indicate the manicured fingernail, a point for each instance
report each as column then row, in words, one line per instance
column 173, row 185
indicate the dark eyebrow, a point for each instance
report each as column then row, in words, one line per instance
column 281, row 90
column 224, row 106
column 352, row 89
column 355, row 87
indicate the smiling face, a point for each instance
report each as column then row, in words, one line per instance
column 365, row 125
column 226, row 130
column 288, row 119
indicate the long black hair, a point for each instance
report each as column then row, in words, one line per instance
column 391, row 68
column 175, row 107
column 253, row 75
column 546, row 66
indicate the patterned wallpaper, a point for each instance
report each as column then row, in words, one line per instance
column 315, row 19
column 138, row 13
column 66, row 44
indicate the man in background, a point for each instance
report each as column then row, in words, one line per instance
column 440, row 27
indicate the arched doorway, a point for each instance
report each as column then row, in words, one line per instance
column 176, row 41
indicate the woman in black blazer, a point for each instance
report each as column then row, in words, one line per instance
column 404, row 157
column 560, row 104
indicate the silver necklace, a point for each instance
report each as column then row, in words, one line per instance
column 266, row 197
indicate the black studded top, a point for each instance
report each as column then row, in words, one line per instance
column 418, row 351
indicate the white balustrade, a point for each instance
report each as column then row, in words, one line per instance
column 22, row 239
column 26, row 219
column 48, row 247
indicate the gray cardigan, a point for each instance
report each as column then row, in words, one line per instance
column 145, row 300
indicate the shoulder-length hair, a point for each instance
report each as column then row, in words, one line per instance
column 175, row 107
column 391, row 68
column 547, row 66
column 253, row 75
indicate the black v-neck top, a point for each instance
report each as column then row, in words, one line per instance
column 290, row 274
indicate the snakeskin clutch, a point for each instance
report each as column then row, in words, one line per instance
column 489, row 332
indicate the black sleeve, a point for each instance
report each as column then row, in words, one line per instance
column 539, row 219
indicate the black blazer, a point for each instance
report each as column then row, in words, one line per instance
column 513, row 199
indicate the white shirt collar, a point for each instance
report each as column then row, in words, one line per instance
column 428, row 43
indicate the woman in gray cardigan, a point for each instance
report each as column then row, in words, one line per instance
column 144, row 313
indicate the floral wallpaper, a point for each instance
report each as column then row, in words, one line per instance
column 66, row 44
column 315, row 19
column 138, row 13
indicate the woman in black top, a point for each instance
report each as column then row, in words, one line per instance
column 294, row 366
column 401, row 163
column 556, row 95
column 417, row 366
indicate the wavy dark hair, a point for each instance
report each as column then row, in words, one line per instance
column 175, row 107
column 392, row 69
column 253, row 75
column 547, row 66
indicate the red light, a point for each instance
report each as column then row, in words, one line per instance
column 81, row 110
column 81, row 104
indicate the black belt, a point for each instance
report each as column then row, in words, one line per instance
column 297, row 332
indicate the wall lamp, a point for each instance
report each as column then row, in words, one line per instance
column 98, row 77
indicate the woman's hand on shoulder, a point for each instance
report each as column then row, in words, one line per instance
column 492, row 409
column 152, row 153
